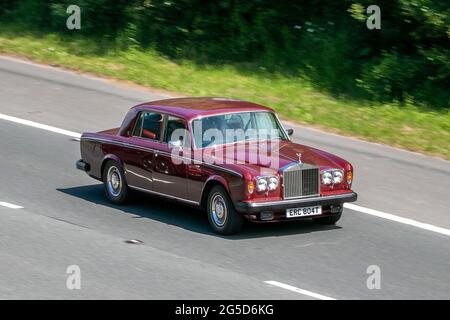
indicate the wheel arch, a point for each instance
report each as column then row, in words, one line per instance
column 110, row 157
column 210, row 183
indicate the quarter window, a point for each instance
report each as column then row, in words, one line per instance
column 148, row 126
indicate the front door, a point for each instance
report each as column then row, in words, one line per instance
column 169, row 171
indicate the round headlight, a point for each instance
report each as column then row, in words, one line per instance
column 338, row 176
column 327, row 178
column 261, row 184
column 273, row 183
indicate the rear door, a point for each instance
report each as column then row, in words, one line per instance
column 139, row 155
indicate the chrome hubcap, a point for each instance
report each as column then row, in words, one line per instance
column 114, row 181
column 218, row 210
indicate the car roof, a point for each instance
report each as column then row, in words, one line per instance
column 190, row 108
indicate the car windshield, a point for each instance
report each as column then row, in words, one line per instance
column 236, row 127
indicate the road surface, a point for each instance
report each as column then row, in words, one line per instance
column 53, row 216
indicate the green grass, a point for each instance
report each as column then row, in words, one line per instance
column 408, row 126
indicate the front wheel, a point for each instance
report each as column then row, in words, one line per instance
column 222, row 216
column 116, row 187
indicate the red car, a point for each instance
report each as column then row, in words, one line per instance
column 230, row 157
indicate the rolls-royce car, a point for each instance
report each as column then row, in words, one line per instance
column 232, row 158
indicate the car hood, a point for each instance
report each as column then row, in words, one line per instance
column 284, row 153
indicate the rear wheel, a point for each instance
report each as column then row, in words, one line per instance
column 116, row 187
column 222, row 216
column 328, row 220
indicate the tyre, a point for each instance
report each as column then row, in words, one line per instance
column 328, row 220
column 115, row 184
column 222, row 216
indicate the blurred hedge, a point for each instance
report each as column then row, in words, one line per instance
column 324, row 41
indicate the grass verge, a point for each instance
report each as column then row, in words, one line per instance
column 409, row 127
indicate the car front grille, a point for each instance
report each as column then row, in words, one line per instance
column 301, row 181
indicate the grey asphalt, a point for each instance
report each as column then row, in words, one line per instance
column 66, row 219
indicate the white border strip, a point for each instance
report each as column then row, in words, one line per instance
column 392, row 217
column 298, row 290
column 40, row 126
column 10, row 205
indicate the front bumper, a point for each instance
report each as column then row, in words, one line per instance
column 282, row 205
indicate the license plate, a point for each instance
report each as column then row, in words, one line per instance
column 303, row 212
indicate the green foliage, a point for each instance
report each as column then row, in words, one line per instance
column 407, row 126
column 357, row 11
column 324, row 41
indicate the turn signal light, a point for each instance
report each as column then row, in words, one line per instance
column 349, row 177
column 250, row 187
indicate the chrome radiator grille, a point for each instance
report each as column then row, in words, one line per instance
column 301, row 181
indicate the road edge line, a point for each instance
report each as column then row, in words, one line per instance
column 407, row 221
column 298, row 290
column 10, row 205
column 40, row 126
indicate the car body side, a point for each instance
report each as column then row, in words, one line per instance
column 118, row 145
column 148, row 167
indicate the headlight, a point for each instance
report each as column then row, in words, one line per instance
column 327, row 178
column 266, row 183
column 261, row 184
column 332, row 176
column 273, row 183
column 338, row 176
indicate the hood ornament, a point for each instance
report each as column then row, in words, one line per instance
column 299, row 156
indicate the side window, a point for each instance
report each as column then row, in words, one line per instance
column 148, row 125
column 265, row 120
column 138, row 126
column 268, row 126
column 176, row 131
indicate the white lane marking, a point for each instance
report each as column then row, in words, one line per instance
column 350, row 206
column 392, row 217
column 40, row 126
column 10, row 205
column 298, row 290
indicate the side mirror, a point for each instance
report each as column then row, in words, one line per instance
column 290, row 132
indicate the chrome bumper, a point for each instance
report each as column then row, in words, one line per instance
column 277, row 206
